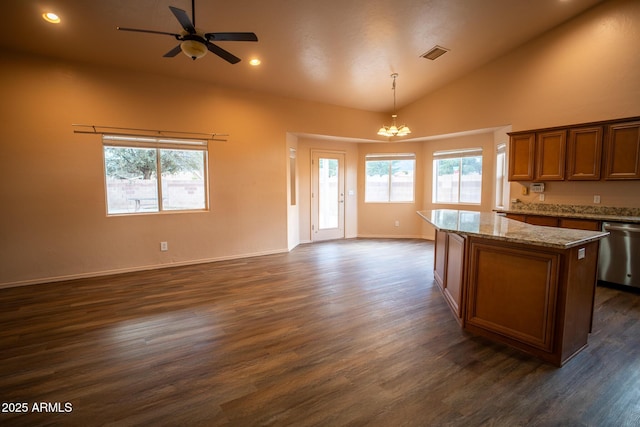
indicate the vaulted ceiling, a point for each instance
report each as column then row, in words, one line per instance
column 339, row 52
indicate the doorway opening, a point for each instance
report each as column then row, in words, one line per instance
column 327, row 194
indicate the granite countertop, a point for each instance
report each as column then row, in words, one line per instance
column 491, row 225
column 597, row 213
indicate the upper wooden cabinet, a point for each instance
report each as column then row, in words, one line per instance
column 622, row 159
column 522, row 149
column 551, row 148
column 584, row 154
column 537, row 156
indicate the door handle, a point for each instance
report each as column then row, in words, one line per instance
column 627, row 229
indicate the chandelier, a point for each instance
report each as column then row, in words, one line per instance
column 394, row 130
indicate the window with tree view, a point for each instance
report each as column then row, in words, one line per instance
column 457, row 176
column 145, row 174
column 389, row 178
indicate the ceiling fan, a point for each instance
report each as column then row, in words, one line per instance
column 194, row 43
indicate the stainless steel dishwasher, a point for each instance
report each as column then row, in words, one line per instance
column 619, row 259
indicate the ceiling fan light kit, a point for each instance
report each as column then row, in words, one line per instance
column 394, row 129
column 195, row 44
column 194, row 49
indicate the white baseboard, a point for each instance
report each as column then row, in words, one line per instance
column 112, row 272
column 391, row 236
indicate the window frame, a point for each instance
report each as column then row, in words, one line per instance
column 501, row 181
column 456, row 154
column 158, row 144
column 390, row 157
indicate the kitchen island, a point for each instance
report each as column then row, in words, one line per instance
column 527, row 286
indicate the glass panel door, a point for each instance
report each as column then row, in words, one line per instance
column 328, row 196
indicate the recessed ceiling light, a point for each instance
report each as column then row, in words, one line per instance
column 255, row 62
column 51, row 17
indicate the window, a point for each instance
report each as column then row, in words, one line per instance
column 501, row 172
column 292, row 176
column 389, row 178
column 146, row 174
column 457, row 176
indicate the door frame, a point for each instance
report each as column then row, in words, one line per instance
column 339, row 232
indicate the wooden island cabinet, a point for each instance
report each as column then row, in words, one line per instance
column 449, row 269
column 526, row 286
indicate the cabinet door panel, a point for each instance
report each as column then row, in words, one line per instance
column 551, row 148
column 623, row 151
column 584, row 154
column 580, row 224
column 440, row 258
column 454, row 284
column 513, row 293
column 521, row 157
column 517, row 217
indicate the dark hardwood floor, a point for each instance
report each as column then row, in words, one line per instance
column 339, row 333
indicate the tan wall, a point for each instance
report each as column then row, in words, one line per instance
column 616, row 194
column 585, row 70
column 53, row 222
column 53, row 218
column 378, row 219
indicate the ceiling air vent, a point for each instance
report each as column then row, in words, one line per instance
column 435, row 52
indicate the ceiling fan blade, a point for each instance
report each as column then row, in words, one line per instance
column 239, row 37
column 149, row 31
column 184, row 20
column 173, row 52
column 227, row 56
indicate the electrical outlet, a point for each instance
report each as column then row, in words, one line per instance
column 582, row 253
column 164, row 246
column 596, row 199
column 397, row 223
column 541, row 197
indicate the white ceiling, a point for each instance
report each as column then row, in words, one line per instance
column 339, row 52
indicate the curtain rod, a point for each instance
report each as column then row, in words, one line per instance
column 113, row 130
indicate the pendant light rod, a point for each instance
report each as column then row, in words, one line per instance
column 394, row 130
column 393, row 88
